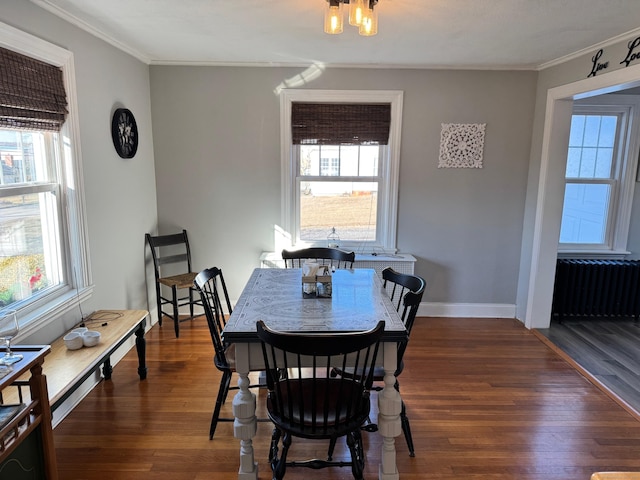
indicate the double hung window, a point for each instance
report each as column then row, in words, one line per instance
column 599, row 176
column 44, row 268
column 31, row 257
column 338, row 189
column 340, row 167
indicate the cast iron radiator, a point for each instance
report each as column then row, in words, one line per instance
column 596, row 288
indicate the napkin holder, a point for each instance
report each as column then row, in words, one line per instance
column 323, row 284
column 319, row 285
column 308, row 286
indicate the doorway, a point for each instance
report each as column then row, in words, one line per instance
column 550, row 192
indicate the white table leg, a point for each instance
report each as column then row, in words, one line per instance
column 244, row 409
column 390, row 406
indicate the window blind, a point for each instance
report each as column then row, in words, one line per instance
column 340, row 123
column 32, row 94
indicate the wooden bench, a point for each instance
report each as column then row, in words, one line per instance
column 66, row 370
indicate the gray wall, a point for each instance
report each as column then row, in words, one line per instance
column 120, row 194
column 217, row 153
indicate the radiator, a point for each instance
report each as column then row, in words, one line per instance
column 596, row 288
column 400, row 263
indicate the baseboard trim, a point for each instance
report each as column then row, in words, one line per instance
column 467, row 310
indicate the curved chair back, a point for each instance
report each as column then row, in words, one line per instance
column 405, row 291
column 333, row 257
column 397, row 284
column 410, row 304
column 213, row 292
column 307, row 401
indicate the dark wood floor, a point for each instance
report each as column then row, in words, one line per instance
column 607, row 348
column 487, row 399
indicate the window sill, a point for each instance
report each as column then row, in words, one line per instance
column 594, row 254
column 48, row 313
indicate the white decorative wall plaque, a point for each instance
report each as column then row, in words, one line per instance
column 461, row 145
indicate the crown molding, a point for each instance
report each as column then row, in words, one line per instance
column 68, row 17
column 589, row 50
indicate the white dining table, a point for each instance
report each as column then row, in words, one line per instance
column 357, row 303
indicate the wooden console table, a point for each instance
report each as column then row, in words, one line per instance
column 67, row 369
column 26, row 439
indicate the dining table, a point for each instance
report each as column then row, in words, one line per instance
column 358, row 301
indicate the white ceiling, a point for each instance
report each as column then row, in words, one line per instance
column 514, row 34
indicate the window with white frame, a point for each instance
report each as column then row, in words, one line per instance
column 31, row 258
column 341, row 178
column 599, row 179
column 44, row 269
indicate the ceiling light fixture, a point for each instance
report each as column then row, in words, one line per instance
column 361, row 14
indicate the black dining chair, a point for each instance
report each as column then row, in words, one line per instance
column 333, row 257
column 397, row 284
column 308, row 402
column 406, row 292
column 213, row 292
column 172, row 252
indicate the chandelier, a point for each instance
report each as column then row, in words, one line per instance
column 361, row 15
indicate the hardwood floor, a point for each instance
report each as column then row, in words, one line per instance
column 486, row 400
column 608, row 349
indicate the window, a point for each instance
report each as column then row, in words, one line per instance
column 329, row 167
column 345, row 196
column 44, row 269
column 30, row 254
column 344, row 180
column 599, row 176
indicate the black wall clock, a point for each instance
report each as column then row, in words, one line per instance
column 124, row 133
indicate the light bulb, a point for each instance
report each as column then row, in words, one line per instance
column 369, row 24
column 356, row 12
column 333, row 17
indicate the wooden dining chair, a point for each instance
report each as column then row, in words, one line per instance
column 406, row 292
column 333, row 257
column 397, row 284
column 308, row 402
column 172, row 252
column 213, row 292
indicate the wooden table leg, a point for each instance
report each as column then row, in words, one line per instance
column 141, row 348
column 390, row 406
column 107, row 369
column 38, row 386
column 244, row 409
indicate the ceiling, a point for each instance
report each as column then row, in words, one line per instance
column 482, row 34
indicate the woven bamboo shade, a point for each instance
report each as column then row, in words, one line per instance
column 340, row 123
column 32, row 94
